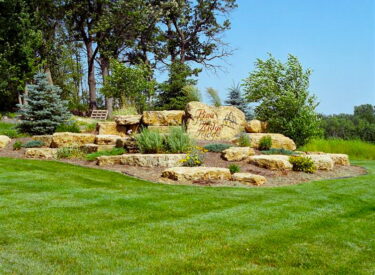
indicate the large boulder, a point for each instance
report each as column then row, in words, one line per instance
column 249, row 178
column 237, row 153
column 46, row 139
column 106, row 139
column 278, row 140
column 340, row 159
column 111, row 128
column 213, row 123
column 143, row 160
column 41, row 153
column 322, row 162
column 128, row 120
column 67, row 139
column 163, row 118
column 272, row 162
column 196, row 173
column 4, row 141
column 256, row 126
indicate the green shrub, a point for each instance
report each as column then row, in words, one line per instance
column 70, row 153
column 234, row 168
column 178, row 141
column 10, row 130
column 17, row 145
column 150, row 142
column 303, row 164
column 217, row 147
column 34, row 144
column 194, row 158
column 11, row 115
column 113, row 152
column 244, row 140
column 276, row 151
column 90, row 127
column 265, row 143
column 70, row 126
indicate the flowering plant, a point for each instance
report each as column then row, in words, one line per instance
column 194, row 157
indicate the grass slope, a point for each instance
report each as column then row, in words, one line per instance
column 59, row 218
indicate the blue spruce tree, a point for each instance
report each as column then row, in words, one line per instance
column 44, row 110
column 236, row 99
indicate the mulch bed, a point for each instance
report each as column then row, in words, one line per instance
column 274, row 178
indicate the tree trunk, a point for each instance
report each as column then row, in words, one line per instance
column 91, row 76
column 104, row 65
column 47, row 71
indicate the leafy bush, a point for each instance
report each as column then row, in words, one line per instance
column 178, row 141
column 217, row 147
column 276, row 151
column 194, row 158
column 234, row 168
column 17, row 145
column 34, row 144
column 10, row 130
column 113, row 152
column 150, row 142
column 265, row 143
column 244, row 140
column 70, row 153
column 302, row 164
column 70, row 126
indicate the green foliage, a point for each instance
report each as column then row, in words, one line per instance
column 70, row 153
column 150, row 142
column 10, row 130
column 17, row 145
column 284, row 100
column 126, row 110
column 195, row 157
column 113, row 152
column 234, row 168
column 217, row 147
column 356, row 149
column 34, row 144
column 236, row 99
column 214, row 97
column 70, row 126
column 45, row 110
column 302, row 164
column 178, row 141
column 244, row 140
column 277, row 151
column 265, row 143
column 191, row 93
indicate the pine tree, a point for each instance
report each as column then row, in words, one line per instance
column 236, row 99
column 44, row 110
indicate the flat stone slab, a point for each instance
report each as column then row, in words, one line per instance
column 92, row 148
column 128, row 120
column 143, row 160
column 111, row 128
column 106, row 139
column 41, row 153
column 163, row 118
column 272, row 162
column 237, row 153
column 249, row 178
column 67, row 139
column 338, row 159
column 196, row 173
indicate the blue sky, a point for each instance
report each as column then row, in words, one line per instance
column 335, row 38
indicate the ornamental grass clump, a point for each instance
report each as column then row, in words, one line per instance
column 217, row 147
column 194, row 157
column 302, row 164
column 150, row 142
column 17, row 145
column 234, row 168
column 178, row 141
column 265, row 143
column 244, row 140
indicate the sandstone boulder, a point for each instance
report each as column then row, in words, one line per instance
column 67, row 139
column 272, row 162
column 128, row 120
column 41, row 153
column 249, row 178
column 153, row 160
column 108, row 160
column 106, row 139
column 46, row 139
column 213, row 123
column 340, row 159
column 256, row 126
column 322, row 162
column 278, row 140
column 163, row 118
column 196, row 173
column 92, row 148
column 111, row 128
column 4, row 141
column 237, row 153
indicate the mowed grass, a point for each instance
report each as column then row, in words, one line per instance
column 356, row 149
column 62, row 219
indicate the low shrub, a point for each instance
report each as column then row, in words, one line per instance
column 217, row 147
column 265, row 143
column 70, row 153
column 178, row 141
column 113, row 152
column 17, row 145
column 302, row 164
column 70, row 126
column 150, row 142
column 33, row 144
column 244, row 140
column 276, row 151
column 234, row 168
column 194, row 158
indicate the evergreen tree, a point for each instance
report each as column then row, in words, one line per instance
column 44, row 110
column 236, row 99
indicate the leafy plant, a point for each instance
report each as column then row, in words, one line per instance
column 150, row 142
column 34, row 144
column 113, row 152
column 17, row 145
column 265, row 143
column 244, row 140
column 178, row 141
column 234, row 168
column 70, row 126
column 70, row 153
column 277, row 151
column 194, row 158
column 217, row 147
column 302, row 164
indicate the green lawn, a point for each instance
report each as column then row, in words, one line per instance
column 58, row 218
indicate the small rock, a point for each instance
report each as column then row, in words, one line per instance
column 237, row 153
column 4, row 141
column 272, row 162
column 249, row 178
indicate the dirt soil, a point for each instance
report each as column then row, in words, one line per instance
column 274, row 178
